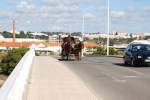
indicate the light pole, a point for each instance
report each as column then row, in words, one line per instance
column 82, row 34
column 83, row 22
column 69, row 29
column 108, row 25
column 1, row 28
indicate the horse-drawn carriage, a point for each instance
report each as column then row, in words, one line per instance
column 71, row 49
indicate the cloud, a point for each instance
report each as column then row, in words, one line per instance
column 14, row 2
column 90, row 18
column 64, row 11
column 119, row 14
column 51, row 3
column 131, row 19
column 4, row 14
column 60, row 6
column 26, row 8
column 58, row 2
column 147, row 8
column 102, row 8
column 54, row 15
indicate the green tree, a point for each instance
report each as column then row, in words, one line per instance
column 112, row 51
column 7, row 34
column 100, row 51
column 11, row 59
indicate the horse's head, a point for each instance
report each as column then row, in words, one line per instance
column 81, row 45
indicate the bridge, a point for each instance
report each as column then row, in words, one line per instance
column 43, row 78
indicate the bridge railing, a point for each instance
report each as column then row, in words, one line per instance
column 13, row 88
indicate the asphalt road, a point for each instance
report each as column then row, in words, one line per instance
column 109, row 79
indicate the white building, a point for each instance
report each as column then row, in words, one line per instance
column 39, row 34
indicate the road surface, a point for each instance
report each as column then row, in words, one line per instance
column 109, row 79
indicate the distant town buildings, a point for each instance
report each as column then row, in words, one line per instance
column 54, row 40
column 51, row 41
column 53, row 44
column 38, row 34
column 117, row 35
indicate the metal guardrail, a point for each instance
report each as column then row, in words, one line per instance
column 13, row 88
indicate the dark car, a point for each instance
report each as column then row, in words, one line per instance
column 137, row 54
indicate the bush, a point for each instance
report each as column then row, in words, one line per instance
column 103, row 51
column 11, row 59
column 100, row 51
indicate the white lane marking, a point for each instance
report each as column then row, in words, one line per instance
column 114, row 78
column 120, row 80
column 130, row 76
column 137, row 72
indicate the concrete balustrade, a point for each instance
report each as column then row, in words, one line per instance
column 13, row 88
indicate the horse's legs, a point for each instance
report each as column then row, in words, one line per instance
column 78, row 55
column 67, row 56
column 63, row 55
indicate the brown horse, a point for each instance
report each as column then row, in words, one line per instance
column 67, row 47
column 78, row 50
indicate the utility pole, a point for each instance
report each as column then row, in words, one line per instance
column 108, row 26
column 83, row 23
column 70, row 30
column 1, row 28
column 82, row 34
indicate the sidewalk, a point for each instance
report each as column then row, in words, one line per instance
column 51, row 80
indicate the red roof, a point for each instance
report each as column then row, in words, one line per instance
column 54, row 43
column 15, row 44
column 86, row 44
column 91, row 44
column 28, row 44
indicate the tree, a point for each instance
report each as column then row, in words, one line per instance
column 7, row 34
column 116, row 33
column 22, row 32
column 11, row 59
column 102, row 51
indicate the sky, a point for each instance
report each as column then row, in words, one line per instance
column 130, row 16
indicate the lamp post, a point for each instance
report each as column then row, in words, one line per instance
column 108, row 25
column 82, row 34
column 83, row 20
column 1, row 28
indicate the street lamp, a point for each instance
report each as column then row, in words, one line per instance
column 108, row 27
column 83, row 21
column 82, row 34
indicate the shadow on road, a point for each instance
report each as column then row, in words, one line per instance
column 66, row 60
column 137, row 66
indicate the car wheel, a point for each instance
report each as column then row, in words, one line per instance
column 133, row 62
column 124, row 61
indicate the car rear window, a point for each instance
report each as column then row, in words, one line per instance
column 143, row 47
